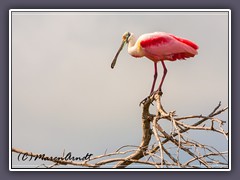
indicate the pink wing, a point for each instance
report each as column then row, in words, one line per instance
column 163, row 46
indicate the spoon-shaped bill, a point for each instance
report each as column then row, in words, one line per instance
column 116, row 56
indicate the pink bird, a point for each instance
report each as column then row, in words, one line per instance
column 157, row 46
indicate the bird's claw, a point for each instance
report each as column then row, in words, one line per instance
column 144, row 100
column 148, row 97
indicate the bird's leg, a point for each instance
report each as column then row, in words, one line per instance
column 153, row 84
column 154, row 77
column 163, row 77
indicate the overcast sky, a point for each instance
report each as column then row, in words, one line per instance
column 66, row 96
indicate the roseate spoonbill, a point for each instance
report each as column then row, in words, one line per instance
column 157, row 46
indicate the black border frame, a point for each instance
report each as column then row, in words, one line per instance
column 4, row 103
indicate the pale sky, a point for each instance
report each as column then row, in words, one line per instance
column 66, row 96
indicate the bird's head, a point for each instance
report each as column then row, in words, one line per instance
column 126, row 36
column 125, row 39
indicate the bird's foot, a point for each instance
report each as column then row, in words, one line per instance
column 144, row 101
column 150, row 97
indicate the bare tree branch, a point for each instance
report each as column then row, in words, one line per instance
column 168, row 147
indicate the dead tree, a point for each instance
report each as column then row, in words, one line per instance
column 168, row 147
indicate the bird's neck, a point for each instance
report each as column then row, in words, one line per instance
column 133, row 47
